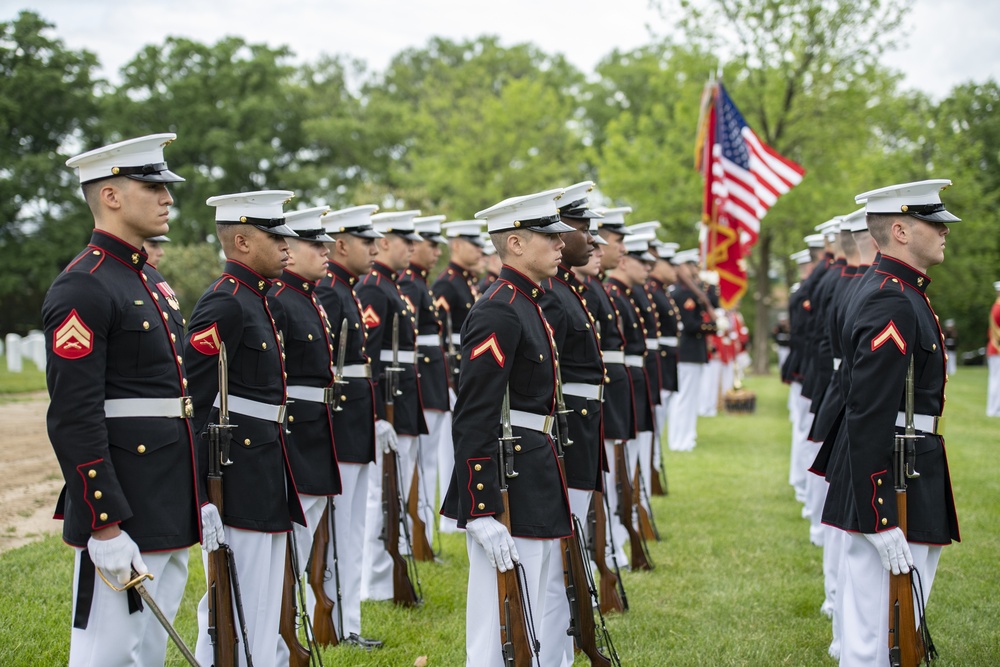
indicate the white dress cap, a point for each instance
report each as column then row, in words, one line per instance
column 614, row 218
column 645, row 227
column 921, row 199
column 575, row 204
column 690, row 256
column 308, row 223
column 801, row 257
column 996, row 286
column 536, row 212
column 637, row 245
column 396, row 222
column 356, row 221
column 261, row 208
column 429, row 227
column 470, row 230
column 594, row 228
column 830, row 228
column 140, row 159
column 814, row 240
column 487, row 244
column 854, row 222
column 665, row 249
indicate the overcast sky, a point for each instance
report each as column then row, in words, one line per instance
column 943, row 43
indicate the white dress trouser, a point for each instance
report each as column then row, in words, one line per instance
column 816, row 488
column 446, row 465
column 617, row 535
column 660, row 413
column 558, row 651
column 313, row 507
column 482, row 611
column 439, row 428
column 350, row 514
column 114, row 637
column 711, row 380
column 376, row 571
column 682, row 423
column 802, row 453
column 833, row 561
column 864, row 584
column 993, row 391
column 260, row 569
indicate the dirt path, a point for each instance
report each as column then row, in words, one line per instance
column 30, row 479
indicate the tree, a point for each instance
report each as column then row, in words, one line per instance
column 47, row 108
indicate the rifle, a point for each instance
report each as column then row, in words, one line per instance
column 422, row 550
column 403, row 592
column 299, row 655
column 909, row 640
column 640, row 559
column 612, row 589
column 517, row 632
column 647, row 524
column 323, row 628
column 658, row 487
column 221, row 622
column 452, row 357
column 338, row 376
column 583, row 600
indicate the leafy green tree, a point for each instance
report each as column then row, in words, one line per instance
column 47, row 108
column 190, row 269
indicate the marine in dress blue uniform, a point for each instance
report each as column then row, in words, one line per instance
column 894, row 323
column 309, row 363
column 382, row 302
column 352, row 253
column 119, row 417
column 507, row 347
column 260, row 500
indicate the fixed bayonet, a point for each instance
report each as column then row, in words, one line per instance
column 392, row 372
column 224, row 426
column 507, row 437
column 910, row 431
column 338, row 375
column 561, row 409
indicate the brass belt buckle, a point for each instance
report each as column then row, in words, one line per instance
column 187, row 407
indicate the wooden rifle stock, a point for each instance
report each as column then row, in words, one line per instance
column 645, row 523
column 610, row 599
column 299, row 655
column 906, row 646
column 657, row 487
column 578, row 590
column 638, row 560
column 515, row 640
column 422, row 550
column 403, row 592
column 323, row 626
column 221, row 622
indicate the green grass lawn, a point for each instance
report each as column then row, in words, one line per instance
column 30, row 379
column 736, row 580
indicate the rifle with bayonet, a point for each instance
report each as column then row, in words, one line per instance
column 294, row 616
column 339, row 382
column 647, row 524
column 403, row 592
column 909, row 640
column 221, row 622
column 422, row 549
column 517, row 633
column 325, row 537
column 626, row 510
column 612, row 593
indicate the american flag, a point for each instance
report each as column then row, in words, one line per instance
column 743, row 178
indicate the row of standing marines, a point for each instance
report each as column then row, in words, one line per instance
column 866, row 362
column 336, row 371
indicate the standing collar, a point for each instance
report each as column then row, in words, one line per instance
column 127, row 254
column 380, row 268
column 256, row 282
column 418, row 270
column 342, row 274
column 906, row 273
column 522, row 283
column 465, row 273
column 296, row 282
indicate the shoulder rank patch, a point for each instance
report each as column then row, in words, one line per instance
column 168, row 294
column 489, row 345
column 207, row 341
column 889, row 333
column 442, row 303
column 807, row 305
column 73, row 339
column 689, row 304
column 370, row 317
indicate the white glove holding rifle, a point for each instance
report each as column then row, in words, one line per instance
column 495, row 540
column 893, row 548
column 385, row 436
column 116, row 556
column 212, row 532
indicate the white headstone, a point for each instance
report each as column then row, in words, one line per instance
column 13, row 352
column 36, row 349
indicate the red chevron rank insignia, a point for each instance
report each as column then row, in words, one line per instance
column 73, row 339
column 441, row 303
column 489, row 345
column 889, row 333
column 207, row 341
column 370, row 318
column 689, row 304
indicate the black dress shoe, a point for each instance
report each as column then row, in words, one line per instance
column 362, row 642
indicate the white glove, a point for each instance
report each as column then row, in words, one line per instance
column 385, row 435
column 893, row 549
column 495, row 540
column 117, row 557
column 212, row 532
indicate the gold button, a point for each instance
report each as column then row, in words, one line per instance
column 184, row 321
column 180, row 359
column 141, row 449
column 427, row 360
column 879, row 501
column 247, row 442
column 357, row 325
column 478, row 467
column 145, row 325
column 98, row 495
column 540, row 357
column 482, row 506
column 517, row 448
column 97, row 252
column 104, row 516
column 290, row 419
column 231, row 280
column 587, row 325
column 584, row 412
column 310, row 336
column 173, row 338
column 282, row 356
column 164, row 315
column 885, row 522
column 479, row 486
column 184, row 382
column 91, row 474
column 934, row 347
column 343, row 397
column 144, row 277
column 156, row 297
column 263, row 346
column 878, row 482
